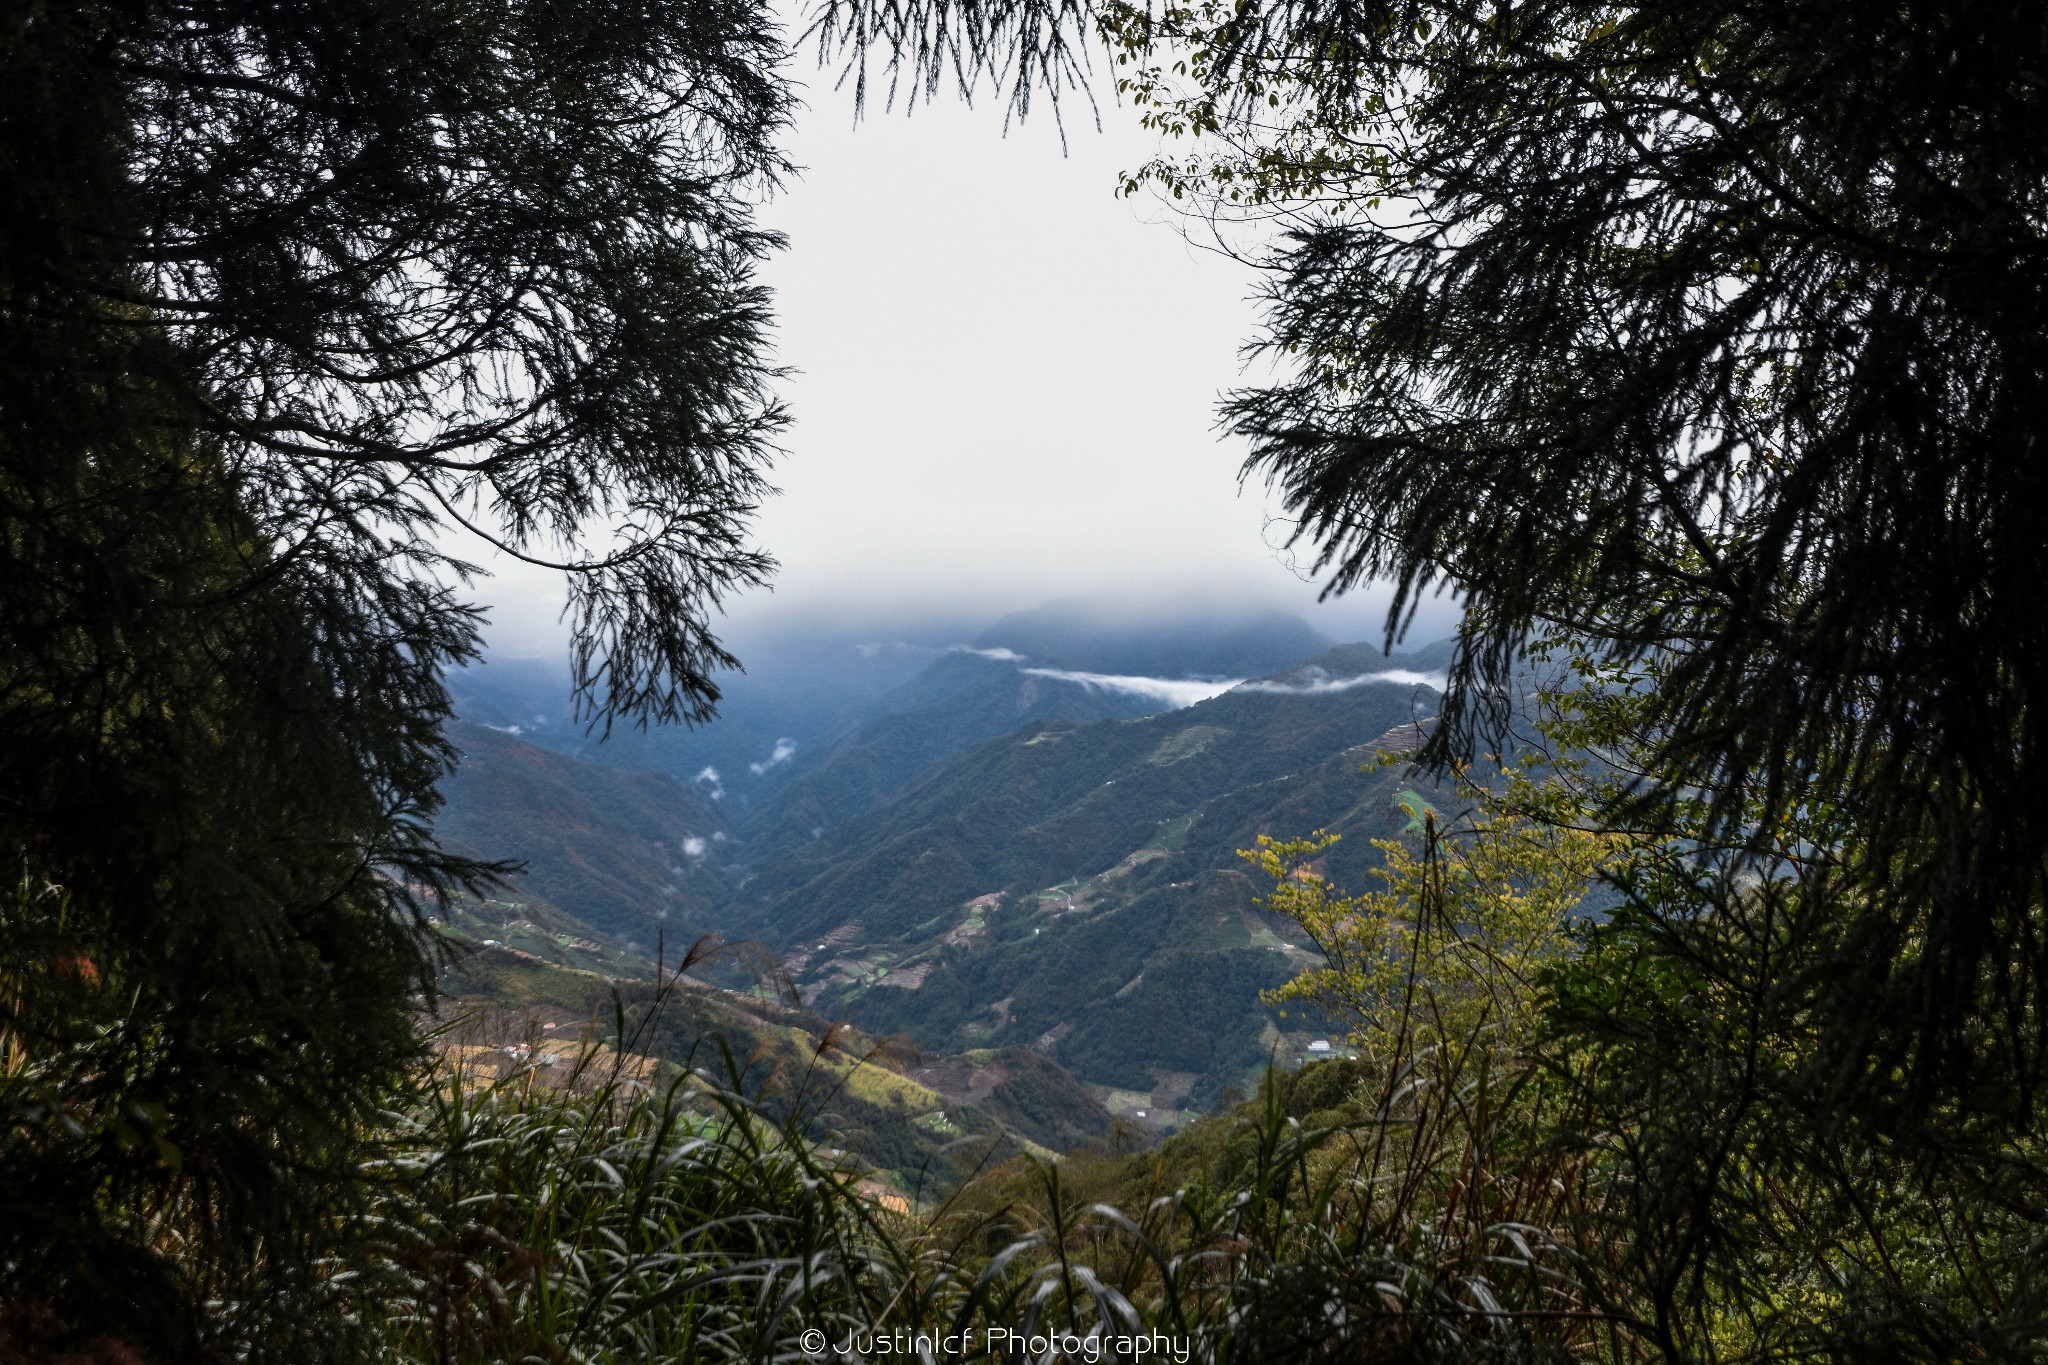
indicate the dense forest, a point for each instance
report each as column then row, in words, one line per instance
column 1697, row 348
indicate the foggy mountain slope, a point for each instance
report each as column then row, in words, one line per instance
column 525, row 698
column 1069, row 887
column 799, row 691
column 625, row 853
column 828, row 721
column 1056, row 799
column 620, row 849
column 1066, row 661
column 958, row 702
column 1075, row 889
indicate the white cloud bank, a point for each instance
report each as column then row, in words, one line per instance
column 785, row 750
column 1180, row 692
column 1316, row 683
column 1175, row 692
column 999, row 654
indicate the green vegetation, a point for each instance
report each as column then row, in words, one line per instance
column 616, row 850
column 587, row 1216
column 210, row 936
column 286, row 293
column 1695, row 345
column 1460, row 933
column 830, row 1083
column 1051, row 875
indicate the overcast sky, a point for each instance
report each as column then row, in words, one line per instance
column 1005, row 388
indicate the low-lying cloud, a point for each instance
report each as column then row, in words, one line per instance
column 1315, row 683
column 999, row 654
column 1175, row 692
column 1179, row 692
column 785, row 750
column 708, row 776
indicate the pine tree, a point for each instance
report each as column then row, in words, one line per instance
column 1711, row 336
column 287, row 295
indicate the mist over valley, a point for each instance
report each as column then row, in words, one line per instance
column 1015, row 851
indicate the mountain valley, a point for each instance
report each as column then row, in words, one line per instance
column 1025, row 872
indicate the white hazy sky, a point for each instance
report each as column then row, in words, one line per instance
column 1005, row 388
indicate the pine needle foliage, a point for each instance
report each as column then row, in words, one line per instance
column 410, row 268
column 211, row 950
column 1704, row 329
column 289, row 294
column 1766, row 1206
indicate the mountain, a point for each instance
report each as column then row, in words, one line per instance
column 624, row 853
column 916, row 1122
column 799, row 690
column 958, row 701
column 526, row 698
column 1028, row 871
column 616, row 859
column 826, row 723
column 1074, row 889
column 1073, row 661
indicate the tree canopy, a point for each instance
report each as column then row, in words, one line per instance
column 1708, row 337
column 288, row 296
column 422, row 265
column 1707, row 330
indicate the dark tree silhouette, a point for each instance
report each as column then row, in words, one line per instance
column 288, row 293
column 1710, row 331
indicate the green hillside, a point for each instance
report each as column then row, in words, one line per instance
column 918, row 1123
column 960, row 701
column 624, row 852
column 967, row 697
column 1074, row 890
column 1064, row 898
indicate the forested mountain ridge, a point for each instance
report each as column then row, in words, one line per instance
column 877, row 711
column 1044, row 805
column 1075, row 888
column 1097, row 637
column 1053, row 664
column 624, row 852
column 1069, row 889
column 961, row 700
column 1063, row 661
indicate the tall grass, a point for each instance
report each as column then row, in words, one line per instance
column 1410, row 1206
column 584, row 1218
column 613, row 1208
column 1420, row 1213
column 534, row 1221
column 618, row 1209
